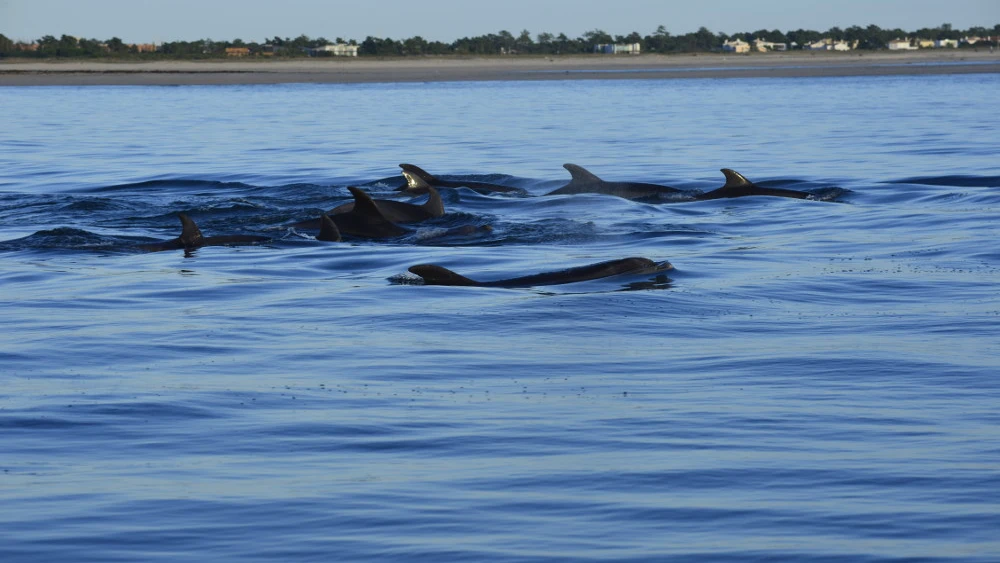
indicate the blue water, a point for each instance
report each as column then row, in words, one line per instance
column 817, row 380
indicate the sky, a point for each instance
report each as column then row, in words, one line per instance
column 147, row 21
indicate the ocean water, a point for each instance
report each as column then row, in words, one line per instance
column 816, row 380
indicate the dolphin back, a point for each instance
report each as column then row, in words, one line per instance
column 581, row 181
column 191, row 238
column 621, row 266
column 737, row 185
column 366, row 219
column 418, row 181
column 438, row 275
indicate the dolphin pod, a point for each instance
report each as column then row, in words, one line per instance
column 582, row 181
column 433, row 274
column 585, row 182
column 366, row 217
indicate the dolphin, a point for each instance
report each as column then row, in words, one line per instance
column 191, row 238
column 585, row 182
column 437, row 275
column 395, row 211
column 418, row 180
column 365, row 219
column 401, row 211
column 738, row 186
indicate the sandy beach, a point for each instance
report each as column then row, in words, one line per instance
column 29, row 72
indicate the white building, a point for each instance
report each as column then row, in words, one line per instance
column 764, row 46
column 338, row 50
column 945, row 43
column 736, row 46
column 900, row 45
column 829, row 45
column 627, row 49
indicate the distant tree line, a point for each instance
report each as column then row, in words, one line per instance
column 68, row 46
column 660, row 41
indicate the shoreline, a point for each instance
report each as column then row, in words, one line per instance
column 450, row 68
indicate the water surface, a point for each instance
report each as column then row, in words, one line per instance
column 816, row 380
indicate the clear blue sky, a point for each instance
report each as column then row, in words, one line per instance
column 446, row 20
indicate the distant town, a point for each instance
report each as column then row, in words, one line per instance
column 505, row 43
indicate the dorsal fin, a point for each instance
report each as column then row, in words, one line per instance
column 734, row 179
column 328, row 230
column 433, row 206
column 580, row 174
column 418, row 171
column 363, row 204
column 436, row 275
column 190, row 233
column 416, row 177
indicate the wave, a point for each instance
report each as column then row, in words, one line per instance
column 64, row 238
column 954, row 180
column 174, row 185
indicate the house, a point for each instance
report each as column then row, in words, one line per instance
column 828, row 44
column 269, row 50
column 736, row 46
column 900, row 45
column 143, row 47
column 338, row 50
column 764, row 46
column 626, row 49
column 925, row 43
column 237, row 51
column 946, row 43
